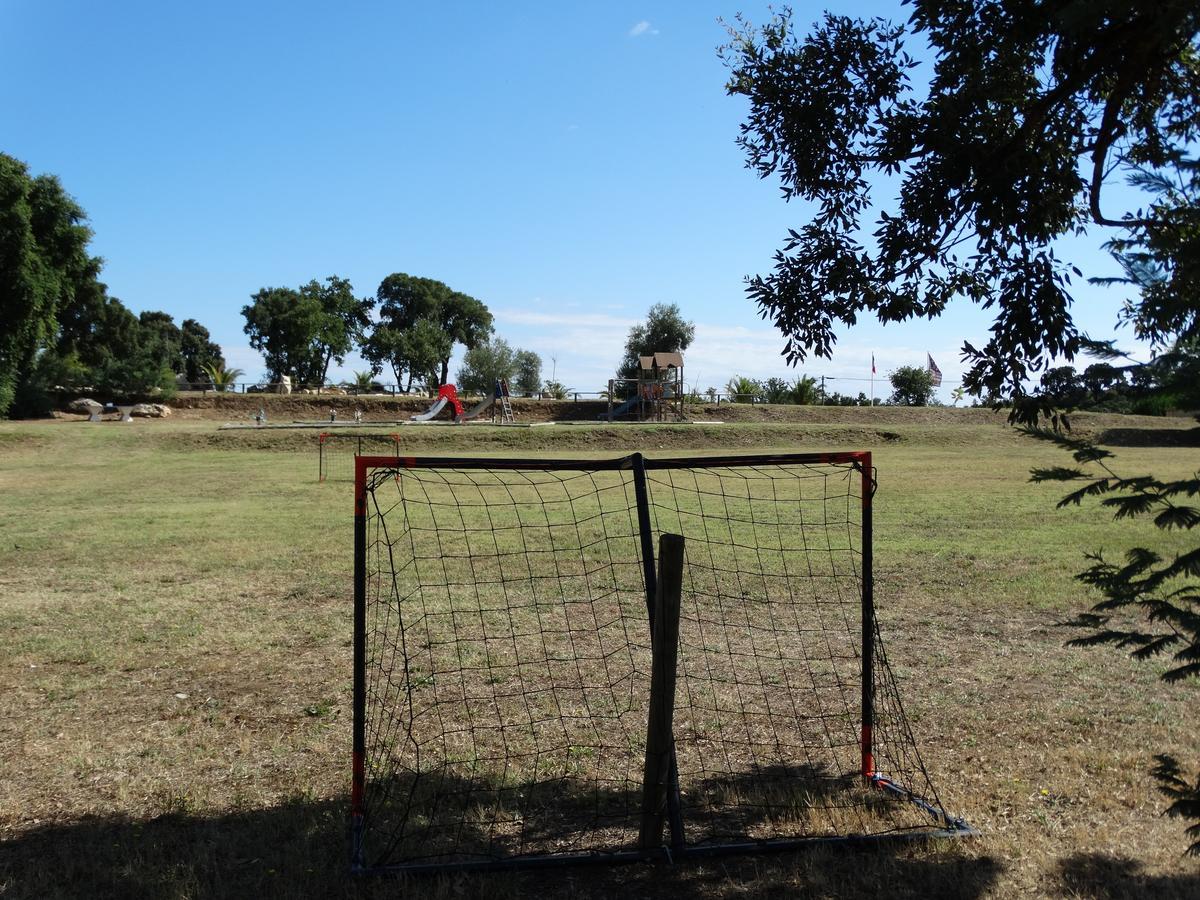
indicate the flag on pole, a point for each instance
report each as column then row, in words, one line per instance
column 934, row 371
column 872, row 363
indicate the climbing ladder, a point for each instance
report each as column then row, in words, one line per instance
column 506, row 416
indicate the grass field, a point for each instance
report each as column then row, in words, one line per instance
column 175, row 667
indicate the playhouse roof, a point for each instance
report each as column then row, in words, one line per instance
column 662, row 361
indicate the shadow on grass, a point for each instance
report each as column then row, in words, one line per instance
column 1149, row 437
column 447, row 816
column 299, row 849
column 1109, row 878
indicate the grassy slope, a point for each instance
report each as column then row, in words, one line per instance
column 146, row 562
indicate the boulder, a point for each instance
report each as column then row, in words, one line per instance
column 151, row 411
column 84, row 406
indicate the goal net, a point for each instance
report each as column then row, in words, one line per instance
column 336, row 452
column 503, row 662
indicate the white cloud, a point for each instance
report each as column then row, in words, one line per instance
column 642, row 29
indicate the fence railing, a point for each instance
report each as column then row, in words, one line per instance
column 393, row 390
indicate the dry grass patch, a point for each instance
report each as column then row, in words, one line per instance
column 140, row 564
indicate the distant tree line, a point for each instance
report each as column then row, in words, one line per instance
column 1171, row 381
column 408, row 329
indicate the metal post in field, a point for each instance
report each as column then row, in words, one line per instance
column 868, row 625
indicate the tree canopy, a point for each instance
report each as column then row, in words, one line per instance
column 911, row 386
column 495, row 360
column 527, row 379
column 664, row 331
column 61, row 328
column 43, row 263
column 1008, row 140
column 300, row 331
column 198, row 351
column 405, row 301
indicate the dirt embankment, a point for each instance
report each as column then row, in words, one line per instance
column 374, row 407
column 383, row 408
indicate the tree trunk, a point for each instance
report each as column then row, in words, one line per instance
column 445, row 371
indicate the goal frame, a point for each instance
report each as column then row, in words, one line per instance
column 676, row 847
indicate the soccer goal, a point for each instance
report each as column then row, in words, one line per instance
column 336, row 452
column 566, row 661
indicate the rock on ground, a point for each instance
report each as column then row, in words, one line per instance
column 151, row 410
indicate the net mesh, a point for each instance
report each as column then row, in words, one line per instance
column 336, row 452
column 507, row 661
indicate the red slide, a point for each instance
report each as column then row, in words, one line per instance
column 449, row 393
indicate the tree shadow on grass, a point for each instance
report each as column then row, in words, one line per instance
column 1115, row 878
column 301, row 849
column 1149, row 437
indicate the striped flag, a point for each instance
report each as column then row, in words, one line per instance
column 872, row 363
column 934, row 371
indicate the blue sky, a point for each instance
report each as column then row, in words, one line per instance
column 568, row 164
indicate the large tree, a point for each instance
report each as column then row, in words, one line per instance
column 527, row 378
column 198, row 350
column 485, row 364
column 43, row 263
column 300, row 331
column 406, row 300
column 1011, row 138
column 664, row 331
column 413, row 353
column 1006, row 141
column 343, row 321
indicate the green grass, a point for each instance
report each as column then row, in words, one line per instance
column 141, row 563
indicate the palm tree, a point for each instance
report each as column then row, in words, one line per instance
column 222, row 378
column 804, row 391
column 740, row 389
column 362, row 382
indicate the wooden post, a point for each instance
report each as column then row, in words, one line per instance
column 660, row 742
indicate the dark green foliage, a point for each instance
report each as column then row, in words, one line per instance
column 664, row 331
column 740, row 389
column 1170, row 381
column 300, row 331
column 420, row 321
column 1150, row 604
column 833, row 398
column 911, row 386
column 484, row 365
column 528, row 380
column 494, row 360
column 198, row 351
column 776, row 390
column 802, row 390
column 1029, row 111
column 43, row 263
column 61, row 329
column 555, row 390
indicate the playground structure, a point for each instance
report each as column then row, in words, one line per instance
column 447, row 395
column 657, row 393
column 499, row 404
